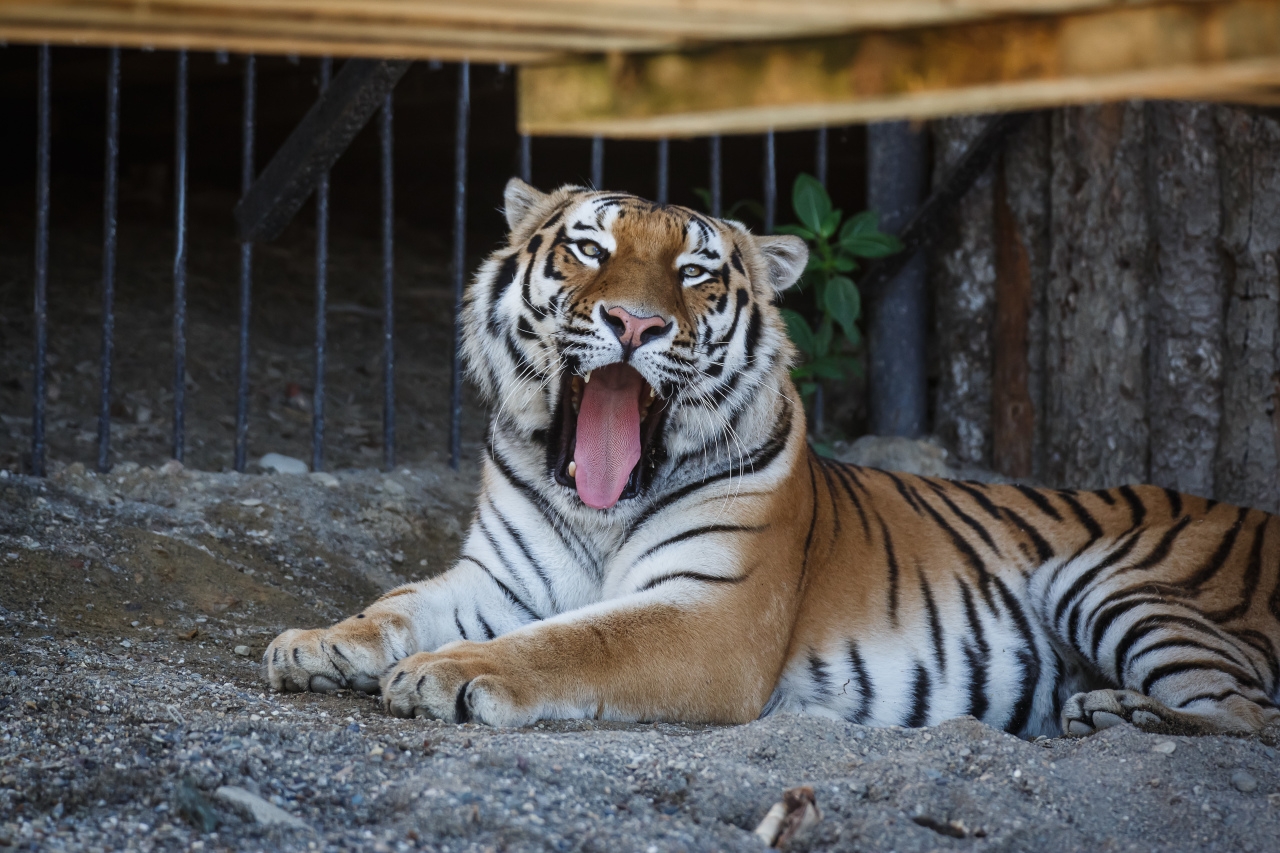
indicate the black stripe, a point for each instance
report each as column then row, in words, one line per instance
column 977, row 654
column 935, row 624
column 831, row 493
column 1087, row 577
column 693, row 576
column 528, row 555
column 842, row 476
column 505, row 278
column 761, row 457
column 1175, row 502
column 754, row 325
column 1041, row 502
column 1156, row 622
column 909, row 497
column 866, row 690
column 1105, row 496
column 457, row 620
column 813, row 520
column 1249, row 583
column 982, row 500
column 489, row 633
column 566, row 534
column 819, row 675
column 694, row 532
column 1029, row 655
column 1262, row 644
column 965, row 517
column 1160, row 553
column 969, row 552
column 506, row 590
column 1083, row 515
column 920, row 689
column 1136, row 507
column 1044, row 551
column 1169, row 670
column 1160, row 645
column 1216, row 697
column 892, row 566
column 1219, row 558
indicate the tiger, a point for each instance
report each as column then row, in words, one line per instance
column 656, row 540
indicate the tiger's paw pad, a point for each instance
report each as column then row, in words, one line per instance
column 1087, row 713
column 454, row 686
column 317, row 661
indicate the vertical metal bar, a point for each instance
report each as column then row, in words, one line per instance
column 597, row 162
column 322, row 286
column 180, row 262
column 897, row 322
column 664, row 169
column 388, row 290
column 716, row 172
column 42, row 260
column 109, row 183
column 246, row 264
column 820, row 157
column 459, row 257
column 770, row 182
column 526, row 158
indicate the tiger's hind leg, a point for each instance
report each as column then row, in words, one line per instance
column 1185, row 644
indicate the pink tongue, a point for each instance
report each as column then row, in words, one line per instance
column 608, row 446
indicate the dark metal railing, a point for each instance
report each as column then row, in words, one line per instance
column 247, row 177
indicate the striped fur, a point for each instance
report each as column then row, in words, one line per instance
column 743, row 575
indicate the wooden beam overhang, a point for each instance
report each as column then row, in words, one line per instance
column 515, row 31
column 1225, row 50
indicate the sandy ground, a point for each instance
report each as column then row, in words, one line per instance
column 125, row 707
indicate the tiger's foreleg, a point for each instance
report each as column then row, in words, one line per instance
column 464, row 602
column 643, row 657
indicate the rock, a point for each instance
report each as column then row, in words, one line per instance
column 325, row 479
column 1165, row 747
column 257, row 809
column 243, row 651
column 282, row 464
column 251, row 502
column 392, row 487
column 1244, row 782
column 170, row 468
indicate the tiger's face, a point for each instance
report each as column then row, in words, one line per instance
column 619, row 332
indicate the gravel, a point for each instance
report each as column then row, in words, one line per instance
column 129, row 719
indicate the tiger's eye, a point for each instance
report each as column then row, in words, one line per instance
column 691, row 271
column 591, row 250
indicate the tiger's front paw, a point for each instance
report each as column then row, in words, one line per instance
column 321, row 661
column 459, row 683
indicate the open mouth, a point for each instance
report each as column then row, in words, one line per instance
column 607, row 423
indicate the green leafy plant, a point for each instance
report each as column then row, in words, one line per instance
column 834, row 244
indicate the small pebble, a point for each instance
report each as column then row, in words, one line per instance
column 1244, row 782
column 243, row 651
column 282, row 464
column 1165, row 747
column 325, row 479
column 251, row 502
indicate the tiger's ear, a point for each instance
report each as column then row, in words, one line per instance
column 785, row 258
column 519, row 200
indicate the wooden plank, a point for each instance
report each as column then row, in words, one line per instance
column 1170, row 50
column 482, row 30
column 1013, row 427
column 315, row 145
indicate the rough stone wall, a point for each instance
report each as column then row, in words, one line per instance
column 1151, row 232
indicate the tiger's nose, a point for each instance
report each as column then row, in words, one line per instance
column 634, row 332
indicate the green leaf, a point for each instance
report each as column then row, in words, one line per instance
column 830, row 223
column 823, row 337
column 801, row 372
column 822, row 448
column 855, row 339
column 829, row 367
column 704, row 196
column 844, row 263
column 799, row 332
column 866, row 222
column 872, row 245
column 797, row 230
column 843, row 302
column 811, row 202
column 807, row 389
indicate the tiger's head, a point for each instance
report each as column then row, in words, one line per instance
column 620, row 333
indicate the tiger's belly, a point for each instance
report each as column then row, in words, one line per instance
column 982, row 656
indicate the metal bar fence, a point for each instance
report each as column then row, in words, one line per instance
column 109, row 209
column 180, row 261
column 246, row 265
column 385, row 129
column 387, row 176
column 42, row 262
column 322, row 297
column 459, row 258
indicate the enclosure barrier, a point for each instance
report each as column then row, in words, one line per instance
column 248, row 174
